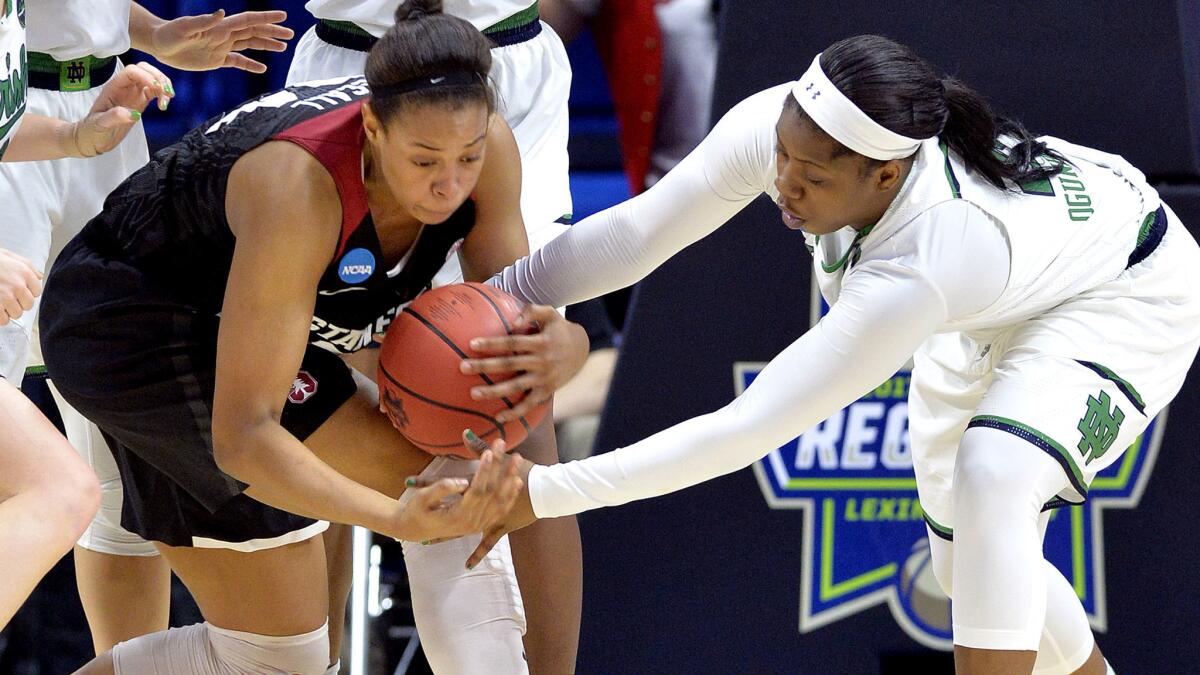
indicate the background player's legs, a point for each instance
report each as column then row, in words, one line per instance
column 275, row 597
column 47, row 497
column 549, row 559
column 122, row 596
column 124, row 584
column 1001, row 482
column 362, row 444
column 339, row 560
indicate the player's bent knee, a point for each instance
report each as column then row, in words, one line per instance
column 205, row 649
column 72, row 502
column 989, row 479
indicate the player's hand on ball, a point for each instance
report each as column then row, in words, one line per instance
column 20, row 283
column 117, row 109
column 545, row 359
column 521, row 513
column 452, row 507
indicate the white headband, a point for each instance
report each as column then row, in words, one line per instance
column 844, row 122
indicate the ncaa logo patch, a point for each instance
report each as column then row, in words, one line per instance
column 356, row 266
column 303, row 387
column 864, row 537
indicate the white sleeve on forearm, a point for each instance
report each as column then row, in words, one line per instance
column 884, row 312
column 621, row 245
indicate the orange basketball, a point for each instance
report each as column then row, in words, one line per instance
column 424, row 393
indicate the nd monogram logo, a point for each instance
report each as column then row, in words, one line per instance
column 1099, row 427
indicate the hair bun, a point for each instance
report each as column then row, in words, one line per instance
column 414, row 10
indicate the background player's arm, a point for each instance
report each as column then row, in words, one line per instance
column 115, row 112
column 283, row 246
column 208, row 41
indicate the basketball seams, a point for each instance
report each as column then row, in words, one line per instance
column 495, row 308
column 450, row 343
column 497, row 427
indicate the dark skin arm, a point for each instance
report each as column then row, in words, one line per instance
column 273, row 295
column 548, row 358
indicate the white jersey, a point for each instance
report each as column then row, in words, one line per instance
column 1065, row 235
column 70, row 29
column 376, row 16
column 951, row 254
column 14, row 73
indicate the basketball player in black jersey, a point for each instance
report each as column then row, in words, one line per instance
column 199, row 321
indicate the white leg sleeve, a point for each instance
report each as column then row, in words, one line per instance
column 204, row 649
column 1066, row 640
column 999, row 574
column 470, row 621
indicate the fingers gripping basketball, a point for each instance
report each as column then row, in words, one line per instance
column 421, row 388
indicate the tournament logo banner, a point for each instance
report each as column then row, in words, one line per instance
column 865, row 541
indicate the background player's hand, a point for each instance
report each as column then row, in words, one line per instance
column 521, row 513
column 117, row 109
column 20, row 283
column 214, row 40
column 544, row 360
column 451, row 508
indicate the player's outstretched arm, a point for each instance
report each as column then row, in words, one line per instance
column 884, row 313
column 209, row 41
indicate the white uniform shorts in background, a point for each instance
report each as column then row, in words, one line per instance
column 533, row 82
column 52, row 202
column 1081, row 381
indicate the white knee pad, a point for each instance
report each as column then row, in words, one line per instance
column 104, row 534
column 204, row 649
column 469, row 621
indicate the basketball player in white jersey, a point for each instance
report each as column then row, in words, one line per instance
column 72, row 48
column 48, row 495
column 1051, row 299
column 532, row 77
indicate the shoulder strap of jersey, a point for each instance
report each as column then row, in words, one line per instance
column 335, row 139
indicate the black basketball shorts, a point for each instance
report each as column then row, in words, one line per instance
column 140, row 364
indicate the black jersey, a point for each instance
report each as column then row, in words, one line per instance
column 169, row 221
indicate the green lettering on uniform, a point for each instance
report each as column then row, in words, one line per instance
column 1079, row 206
column 1081, row 214
column 1078, row 200
column 918, row 513
column 851, row 512
column 1099, row 427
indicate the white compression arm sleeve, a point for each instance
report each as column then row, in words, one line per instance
column 621, row 245
column 883, row 314
column 957, row 264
